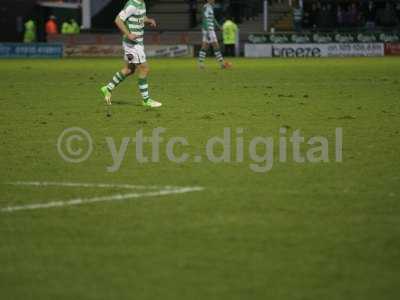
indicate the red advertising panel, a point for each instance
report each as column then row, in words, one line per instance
column 392, row 49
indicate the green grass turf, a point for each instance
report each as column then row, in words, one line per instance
column 300, row 231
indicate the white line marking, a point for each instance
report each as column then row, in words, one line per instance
column 88, row 185
column 164, row 191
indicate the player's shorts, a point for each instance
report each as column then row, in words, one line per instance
column 209, row 37
column 134, row 54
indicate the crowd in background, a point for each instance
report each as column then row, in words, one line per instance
column 239, row 10
column 314, row 14
column 51, row 27
column 307, row 14
column 350, row 14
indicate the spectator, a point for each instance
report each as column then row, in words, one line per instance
column 331, row 15
column 30, row 32
column 354, row 15
column 66, row 28
column 346, row 17
column 327, row 15
column 306, row 19
column 230, row 32
column 323, row 17
column 370, row 15
column 297, row 18
column 51, row 26
column 339, row 16
column 314, row 15
column 75, row 28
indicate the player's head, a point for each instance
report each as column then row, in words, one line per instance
column 210, row 1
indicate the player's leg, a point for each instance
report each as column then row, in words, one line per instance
column 204, row 48
column 217, row 49
column 226, row 50
column 120, row 76
column 117, row 79
column 218, row 54
column 143, row 72
column 231, row 50
column 203, row 53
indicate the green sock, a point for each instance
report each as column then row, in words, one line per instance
column 144, row 88
column 202, row 56
column 219, row 56
column 117, row 79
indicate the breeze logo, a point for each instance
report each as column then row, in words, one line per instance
column 296, row 51
column 261, row 152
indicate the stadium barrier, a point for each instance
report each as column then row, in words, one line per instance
column 314, row 50
column 257, row 50
column 150, row 38
column 116, row 51
column 324, row 37
column 392, row 49
column 323, row 44
column 34, row 50
column 166, row 44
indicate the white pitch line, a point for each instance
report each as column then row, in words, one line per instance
column 88, row 185
column 80, row 201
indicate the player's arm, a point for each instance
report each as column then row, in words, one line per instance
column 205, row 18
column 124, row 30
column 210, row 18
column 120, row 22
column 150, row 21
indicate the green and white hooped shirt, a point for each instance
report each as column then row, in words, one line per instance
column 133, row 15
column 209, row 21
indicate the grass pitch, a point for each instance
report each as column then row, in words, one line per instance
column 300, row 231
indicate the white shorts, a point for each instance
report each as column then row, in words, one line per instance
column 209, row 37
column 134, row 54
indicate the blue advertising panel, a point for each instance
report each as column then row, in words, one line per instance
column 39, row 50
